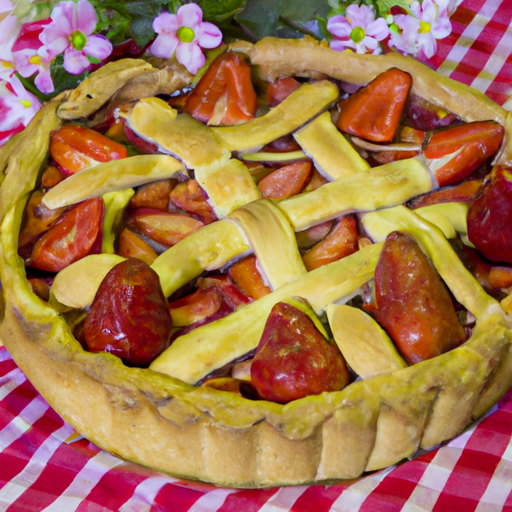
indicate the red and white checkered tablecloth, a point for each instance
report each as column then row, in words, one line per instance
column 42, row 468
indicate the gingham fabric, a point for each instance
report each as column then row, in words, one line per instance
column 44, row 467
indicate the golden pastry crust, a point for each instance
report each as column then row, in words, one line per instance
column 209, row 435
column 305, row 57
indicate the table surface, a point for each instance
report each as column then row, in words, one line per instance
column 43, row 466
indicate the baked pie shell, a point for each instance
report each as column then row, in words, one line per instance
column 214, row 436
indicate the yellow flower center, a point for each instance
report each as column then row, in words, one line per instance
column 35, row 60
column 6, row 64
column 425, row 27
column 78, row 40
column 25, row 103
column 185, row 34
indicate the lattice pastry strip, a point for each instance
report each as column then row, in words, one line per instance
column 111, row 177
column 273, row 241
column 303, row 104
column 333, row 155
column 238, row 333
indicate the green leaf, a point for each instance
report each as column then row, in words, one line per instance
column 216, row 11
column 302, row 12
column 145, row 8
column 118, row 30
column 383, row 6
column 287, row 18
column 173, row 6
column 93, row 60
column 141, row 30
column 259, row 18
column 61, row 78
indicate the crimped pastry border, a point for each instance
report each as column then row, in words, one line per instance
column 204, row 434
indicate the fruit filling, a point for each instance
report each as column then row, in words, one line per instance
column 268, row 239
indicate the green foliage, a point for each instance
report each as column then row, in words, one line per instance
column 286, row 18
column 218, row 11
column 120, row 20
column 383, row 6
column 61, row 78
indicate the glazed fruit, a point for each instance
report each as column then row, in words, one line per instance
column 225, row 94
column 424, row 115
column 129, row 316
column 373, row 112
column 293, row 360
column 72, row 237
column 490, row 217
column 469, row 144
column 413, row 304
column 75, row 147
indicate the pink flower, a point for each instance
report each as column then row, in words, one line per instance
column 17, row 106
column 70, row 32
column 185, row 33
column 418, row 32
column 403, row 33
column 9, row 30
column 29, row 35
column 434, row 24
column 358, row 30
column 27, row 62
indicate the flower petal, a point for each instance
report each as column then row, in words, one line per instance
column 54, row 39
column 75, row 61
column 98, row 46
column 441, row 28
column 44, row 82
column 191, row 56
column 18, row 88
column 360, row 16
column 9, row 30
column 166, row 23
column 442, row 7
column 6, row 71
column 208, row 35
column 189, row 15
column 164, row 46
column 9, row 118
column 429, row 11
column 341, row 46
column 378, row 29
column 338, row 26
column 63, row 15
column 22, row 63
column 6, row 6
column 86, row 17
column 13, row 113
column 428, row 44
column 369, row 43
